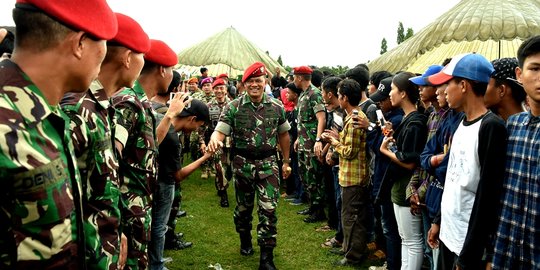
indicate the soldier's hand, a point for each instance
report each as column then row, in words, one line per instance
column 214, row 145
column 177, row 104
column 318, row 150
column 123, row 252
column 286, row 169
column 295, row 146
column 203, row 148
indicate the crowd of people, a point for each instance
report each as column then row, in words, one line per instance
column 428, row 171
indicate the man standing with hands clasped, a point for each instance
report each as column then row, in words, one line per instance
column 257, row 124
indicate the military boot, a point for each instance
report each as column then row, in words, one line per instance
column 224, row 198
column 316, row 216
column 267, row 259
column 246, row 248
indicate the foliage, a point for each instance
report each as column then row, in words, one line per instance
column 279, row 60
column 400, row 33
column 384, row 46
column 410, row 33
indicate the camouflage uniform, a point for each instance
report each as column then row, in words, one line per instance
column 194, row 136
column 255, row 129
column 40, row 221
column 136, row 129
column 310, row 102
column 98, row 165
column 220, row 157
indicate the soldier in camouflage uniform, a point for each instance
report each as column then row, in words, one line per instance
column 216, row 107
column 257, row 124
column 311, row 124
column 137, row 140
column 41, row 223
column 94, row 143
column 206, row 95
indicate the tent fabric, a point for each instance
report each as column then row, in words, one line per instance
column 225, row 52
column 492, row 28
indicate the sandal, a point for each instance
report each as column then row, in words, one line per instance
column 331, row 243
column 324, row 228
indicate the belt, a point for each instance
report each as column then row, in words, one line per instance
column 253, row 155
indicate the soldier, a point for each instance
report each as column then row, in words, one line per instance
column 193, row 85
column 206, row 95
column 137, row 139
column 311, row 124
column 94, row 141
column 257, row 124
column 59, row 48
column 216, row 107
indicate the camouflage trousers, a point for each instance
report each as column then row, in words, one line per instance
column 311, row 174
column 137, row 218
column 217, row 162
column 256, row 179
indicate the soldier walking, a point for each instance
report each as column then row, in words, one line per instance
column 257, row 124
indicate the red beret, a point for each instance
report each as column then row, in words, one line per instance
column 223, row 75
column 131, row 35
column 93, row 17
column 255, row 70
column 303, row 70
column 161, row 54
column 217, row 82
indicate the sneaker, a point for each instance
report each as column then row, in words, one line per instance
column 296, row 202
column 167, row 260
column 290, row 197
column 337, row 251
column 383, row 267
column 181, row 213
column 204, row 175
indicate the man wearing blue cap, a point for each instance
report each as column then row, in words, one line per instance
column 475, row 168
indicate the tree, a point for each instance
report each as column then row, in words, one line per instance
column 410, row 33
column 400, row 33
column 384, row 46
column 279, row 60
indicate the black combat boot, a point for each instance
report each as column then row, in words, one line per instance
column 246, row 248
column 224, row 202
column 267, row 259
column 316, row 216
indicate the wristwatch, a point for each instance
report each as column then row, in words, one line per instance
column 318, row 139
column 286, row 160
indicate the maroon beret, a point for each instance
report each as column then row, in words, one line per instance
column 223, row 75
column 217, row 82
column 131, row 35
column 161, row 54
column 255, row 70
column 302, row 70
column 94, row 17
column 206, row 80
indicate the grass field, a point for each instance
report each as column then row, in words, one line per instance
column 211, row 229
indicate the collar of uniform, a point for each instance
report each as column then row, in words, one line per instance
column 139, row 91
column 99, row 94
column 30, row 102
column 247, row 99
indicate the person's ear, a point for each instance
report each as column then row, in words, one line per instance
column 519, row 72
column 77, row 42
column 126, row 58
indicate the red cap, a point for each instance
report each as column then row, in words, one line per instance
column 217, row 82
column 223, row 75
column 161, row 54
column 93, row 17
column 303, row 70
column 131, row 35
column 255, row 70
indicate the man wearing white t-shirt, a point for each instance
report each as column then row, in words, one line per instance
column 475, row 167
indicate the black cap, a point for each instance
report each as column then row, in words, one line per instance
column 196, row 108
column 383, row 91
column 293, row 88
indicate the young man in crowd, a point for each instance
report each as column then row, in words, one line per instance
column 94, row 142
column 516, row 240
column 41, row 226
column 475, row 168
column 353, row 175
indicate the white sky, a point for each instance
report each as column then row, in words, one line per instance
column 322, row 33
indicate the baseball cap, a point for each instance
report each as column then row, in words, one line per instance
column 470, row 66
column 383, row 91
column 422, row 79
column 196, row 108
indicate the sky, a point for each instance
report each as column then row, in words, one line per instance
column 320, row 33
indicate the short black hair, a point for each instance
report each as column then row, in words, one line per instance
column 402, row 82
column 148, row 66
column 203, row 70
column 330, row 84
column 527, row 48
column 352, row 90
column 37, row 30
column 316, row 78
column 378, row 76
column 278, row 81
column 360, row 75
column 479, row 88
column 175, row 81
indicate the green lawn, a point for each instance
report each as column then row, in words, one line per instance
column 211, row 229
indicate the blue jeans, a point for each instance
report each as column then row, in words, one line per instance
column 391, row 233
column 339, row 230
column 161, row 209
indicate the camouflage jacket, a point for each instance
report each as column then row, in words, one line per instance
column 40, row 202
column 310, row 102
column 253, row 127
column 215, row 109
column 136, row 130
column 203, row 97
column 98, row 165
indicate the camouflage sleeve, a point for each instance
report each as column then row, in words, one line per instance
column 201, row 130
column 79, row 132
column 226, row 119
column 316, row 102
column 126, row 117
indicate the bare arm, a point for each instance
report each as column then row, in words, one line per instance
column 183, row 173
